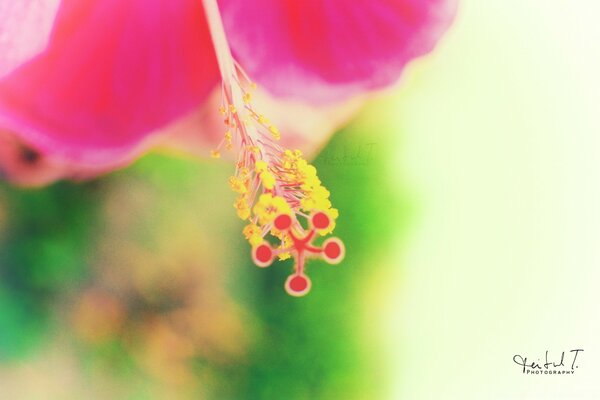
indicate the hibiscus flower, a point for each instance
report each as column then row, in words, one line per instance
column 87, row 86
column 102, row 82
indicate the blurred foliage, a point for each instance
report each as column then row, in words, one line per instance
column 152, row 264
column 44, row 251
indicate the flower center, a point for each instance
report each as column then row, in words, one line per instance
column 273, row 183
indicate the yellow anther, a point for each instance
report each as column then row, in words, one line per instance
column 238, row 185
column 267, row 179
column 242, row 207
column 274, row 132
column 286, row 243
column 243, row 172
column 253, row 234
column 260, row 166
column 215, row 154
column 269, row 206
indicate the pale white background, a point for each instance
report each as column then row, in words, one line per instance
column 503, row 154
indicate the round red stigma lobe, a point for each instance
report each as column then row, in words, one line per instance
column 297, row 285
column 332, row 250
column 263, row 255
column 283, row 222
column 320, row 220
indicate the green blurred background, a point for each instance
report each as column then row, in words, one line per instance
column 468, row 199
column 140, row 285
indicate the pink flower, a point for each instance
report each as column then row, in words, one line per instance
column 86, row 86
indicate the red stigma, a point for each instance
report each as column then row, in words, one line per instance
column 332, row 250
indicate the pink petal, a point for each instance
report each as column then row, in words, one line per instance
column 24, row 166
column 24, row 30
column 324, row 50
column 304, row 127
column 113, row 73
